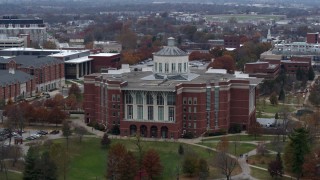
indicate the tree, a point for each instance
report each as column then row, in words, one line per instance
column 80, row 131
column 118, row 163
column 224, row 62
column 49, row 45
column 74, row 89
column 15, row 152
column 30, row 172
column 203, row 169
column 282, row 95
column 66, row 131
column 255, row 129
column 105, row 141
column 311, row 74
column 71, row 102
column 275, row 168
column 59, row 155
column 190, row 164
column 57, row 116
column 300, row 74
column 152, row 164
column 276, row 116
column 295, row 151
column 47, row 167
column 180, row 150
column 261, row 148
column 222, row 160
column 311, row 163
column 273, row 99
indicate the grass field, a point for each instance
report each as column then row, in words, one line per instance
column 11, row 176
column 235, row 149
column 88, row 159
column 242, row 138
column 261, row 174
column 262, row 161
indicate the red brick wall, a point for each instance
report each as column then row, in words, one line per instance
column 104, row 62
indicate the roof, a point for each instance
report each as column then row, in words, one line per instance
column 34, row 61
column 104, row 54
column 18, row 76
column 78, row 60
column 171, row 51
column 64, row 53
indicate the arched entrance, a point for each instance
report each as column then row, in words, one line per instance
column 143, row 131
column 154, row 131
column 133, row 130
column 164, row 132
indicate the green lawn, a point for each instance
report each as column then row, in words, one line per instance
column 88, row 160
column 262, row 161
column 242, row 138
column 11, row 176
column 235, row 149
column 261, row 174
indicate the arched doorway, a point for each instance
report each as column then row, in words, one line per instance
column 164, row 132
column 133, row 130
column 154, row 131
column 143, row 131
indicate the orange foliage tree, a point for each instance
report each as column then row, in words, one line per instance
column 224, row 62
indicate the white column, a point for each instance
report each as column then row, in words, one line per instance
column 77, row 71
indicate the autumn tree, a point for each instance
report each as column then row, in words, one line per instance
column 127, row 38
column 275, row 168
column 261, row 148
column 255, row 129
column 190, row 164
column 311, row 163
column 203, row 168
column 273, row 99
column 57, row 116
column 74, row 89
column 49, row 45
column 224, row 62
column 295, row 151
column 118, row 163
column 71, row 102
column 152, row 164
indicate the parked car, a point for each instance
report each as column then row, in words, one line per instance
column 30, row 138
column 54, row 132
column 42, row 132
column 2, row 138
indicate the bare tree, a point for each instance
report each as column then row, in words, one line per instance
column 80, row 131
column 225, row 163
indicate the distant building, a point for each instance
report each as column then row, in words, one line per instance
column 313, row 38
column 262, row 70
column 108, row 46
column 231, row 41
column 12, row 26
column 11, row 42
column 104, row 61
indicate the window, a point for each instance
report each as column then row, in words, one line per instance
column 189, row 117
column 155, row 67
column 160, row 67
column 184, row 100
column 166, row 67
column 150, row 112
column 195, row 109
column 113, row 97
column 129, row 98
column 184, row 109
column 173, row 67
column 189, row 109
column 114, row 114
column 129, row 112
column 139, row 98
column 118, row 97
column 179, row 67
column 171, row 99
column 189, row 101
column 195, row 101
column 195, row 117
column 171, row 113
column 184, row 125
column 160, row 100
column 194, row 125
column 140, row 112
column 184, row 117
column 189, row 125
column 160, row 113
column 113, row 106
column 185, row 67
column 149, row 98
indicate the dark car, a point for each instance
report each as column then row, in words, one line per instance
column 42, row 132
column 54, row 132
column 30, row 138
column 2, row 138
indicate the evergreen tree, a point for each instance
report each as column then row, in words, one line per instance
column 311, row 74
column 66, row 131
column 297, row 147
column 282, row 95
column 30, row 170
column 105, row 141
column 47, row 167
column 181, row 150
column 276, row 116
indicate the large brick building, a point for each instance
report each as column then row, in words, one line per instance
column 171, row 100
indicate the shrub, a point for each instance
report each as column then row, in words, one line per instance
column 235, row 128
column 188, row 135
